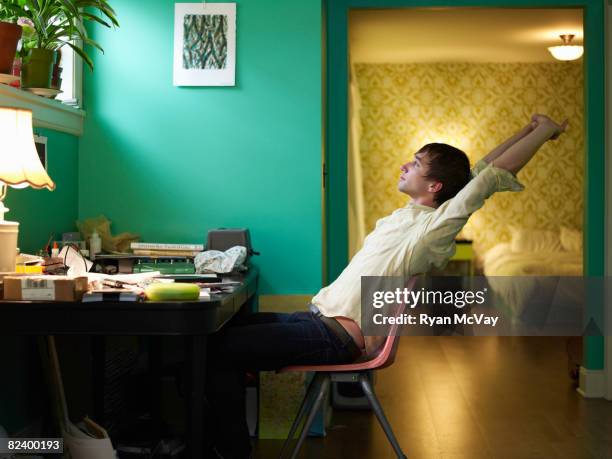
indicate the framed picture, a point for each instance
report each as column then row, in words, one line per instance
column 204, row 44
column 41, row 148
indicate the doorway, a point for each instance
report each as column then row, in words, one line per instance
column 337, row 126
column 470, row 77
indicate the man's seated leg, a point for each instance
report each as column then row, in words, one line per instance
column 266, row 342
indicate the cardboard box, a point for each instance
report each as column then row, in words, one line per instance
column 45, row 288
column 6, row 274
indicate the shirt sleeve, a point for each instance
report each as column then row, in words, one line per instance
column 478, row 167
column 437, row 245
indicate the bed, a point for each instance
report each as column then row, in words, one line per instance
column 531, row 263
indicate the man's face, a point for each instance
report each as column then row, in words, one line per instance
column 413, row 181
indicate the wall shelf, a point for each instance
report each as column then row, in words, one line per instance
column 47, row 113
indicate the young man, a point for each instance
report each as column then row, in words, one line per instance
column 411, row 240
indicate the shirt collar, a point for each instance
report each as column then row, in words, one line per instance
column 414, row 205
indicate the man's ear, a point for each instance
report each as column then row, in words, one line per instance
column 435, row 187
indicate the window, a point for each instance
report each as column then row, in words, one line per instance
column 72, row 77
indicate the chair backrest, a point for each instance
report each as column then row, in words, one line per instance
column 386, row 356
column 382, row 359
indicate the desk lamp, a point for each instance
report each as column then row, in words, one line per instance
column 20, row 167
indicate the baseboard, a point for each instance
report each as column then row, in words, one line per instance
column 592, row 383
column 284, row 303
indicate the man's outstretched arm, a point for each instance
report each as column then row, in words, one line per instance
column 501, row 172
column 436, row 247
column 519, row 154
column 502, row 147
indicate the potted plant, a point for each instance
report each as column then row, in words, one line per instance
column 57, row 23
column 10, row 33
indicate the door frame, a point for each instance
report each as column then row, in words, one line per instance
column 335, row 256
column 608, row 312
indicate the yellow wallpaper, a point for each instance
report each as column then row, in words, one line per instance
column 475, row 107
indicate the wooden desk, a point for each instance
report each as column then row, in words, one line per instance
column 194, row 320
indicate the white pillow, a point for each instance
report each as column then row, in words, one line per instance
column 526, row 240
column 571, row 239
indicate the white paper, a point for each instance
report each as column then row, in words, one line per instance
column 77, row 264
column 134, row 282
column 220, row 262
column 185, row 76
column 127, row 278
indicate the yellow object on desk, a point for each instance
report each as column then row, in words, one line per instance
column 172, row 292
column 26, row 269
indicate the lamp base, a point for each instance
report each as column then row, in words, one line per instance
column 8, row 245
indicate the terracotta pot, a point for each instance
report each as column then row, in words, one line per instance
column 9, row 37
column 37, row 67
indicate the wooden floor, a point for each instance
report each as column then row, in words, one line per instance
column 472, row 397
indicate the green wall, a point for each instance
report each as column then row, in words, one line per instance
column 41, row 212
column 170, row 163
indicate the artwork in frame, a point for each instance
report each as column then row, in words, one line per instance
column 205, row 44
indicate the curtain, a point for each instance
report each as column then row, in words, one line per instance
column 356, row 206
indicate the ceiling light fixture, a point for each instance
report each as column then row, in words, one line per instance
column 567, row 51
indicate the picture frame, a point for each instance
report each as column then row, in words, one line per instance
column 40, row 143
column 204, row 44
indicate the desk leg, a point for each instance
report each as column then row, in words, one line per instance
column 194, row 426
column 98, row 362
column 155, row 376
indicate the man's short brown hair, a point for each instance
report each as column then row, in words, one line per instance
column 448, row 165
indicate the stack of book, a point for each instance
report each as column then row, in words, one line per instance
column 153, row 249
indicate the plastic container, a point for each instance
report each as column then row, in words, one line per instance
column 37, row 68
column 8, row 245
column 55, row 250
column 95, row 244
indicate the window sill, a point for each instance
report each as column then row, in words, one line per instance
column 47, row 113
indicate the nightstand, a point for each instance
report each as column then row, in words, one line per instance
column 464, row 255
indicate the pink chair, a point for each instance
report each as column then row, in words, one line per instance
column 352, row 372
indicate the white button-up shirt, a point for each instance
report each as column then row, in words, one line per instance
column 412, row 240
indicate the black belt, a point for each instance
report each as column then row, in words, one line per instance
column 338, row 330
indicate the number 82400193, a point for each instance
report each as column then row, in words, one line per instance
column 31, row 445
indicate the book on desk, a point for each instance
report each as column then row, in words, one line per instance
column 131, row 263
column 111, row 294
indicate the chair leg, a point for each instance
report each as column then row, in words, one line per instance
column 324, row 386
column 367, row 389
column 311, row 391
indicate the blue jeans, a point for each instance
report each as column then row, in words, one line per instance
column 261, row 341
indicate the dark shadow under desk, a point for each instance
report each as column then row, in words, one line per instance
column 194, row 319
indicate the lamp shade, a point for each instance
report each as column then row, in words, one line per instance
column 566, row 52
column 20, row 165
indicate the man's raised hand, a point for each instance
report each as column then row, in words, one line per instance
column 558, row 129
